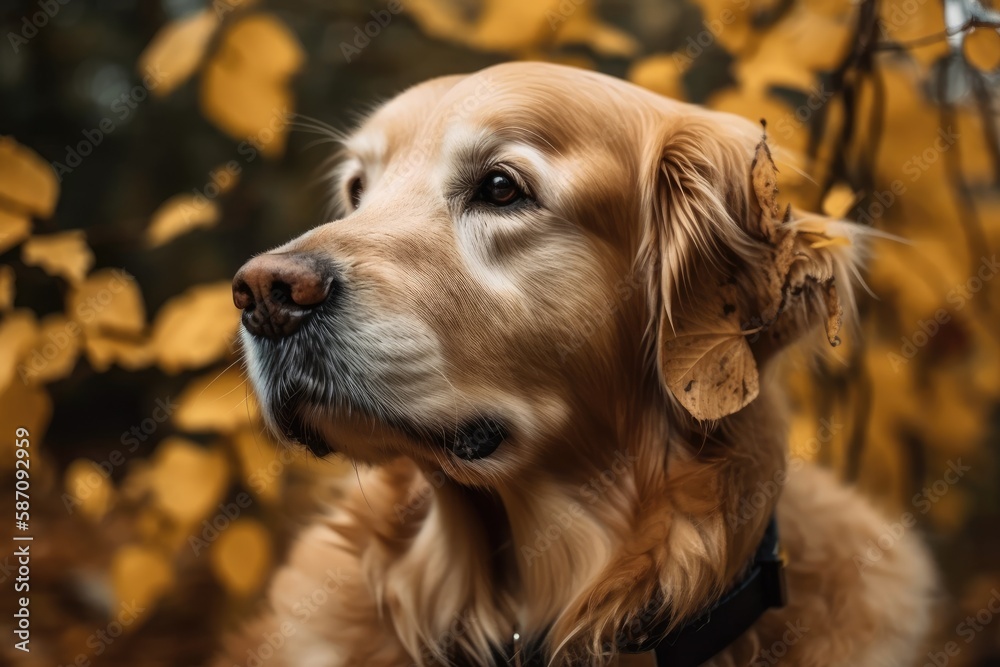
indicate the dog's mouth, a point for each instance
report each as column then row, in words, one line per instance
column 471, row 440
column 294, row 427
column 329, row 404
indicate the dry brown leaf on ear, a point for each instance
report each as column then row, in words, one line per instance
column 764, row 181
column 195, row 328
column 14, row 228
column 219, row 402
column 140, row 576
column 707, row 364
column 188, row 480
column 108, row 301
column 65, row 254
column 834, row 312
column 178, row 215
column 177, row 49
column 6, row 288
column 27, row 182
column 712, row 374
column 241, row 557
column 764, row 177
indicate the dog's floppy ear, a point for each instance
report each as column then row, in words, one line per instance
column 731, row 277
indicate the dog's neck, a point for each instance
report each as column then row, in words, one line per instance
column 575, row 556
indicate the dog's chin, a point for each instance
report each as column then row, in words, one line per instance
column 324, row 432
column 364, row 438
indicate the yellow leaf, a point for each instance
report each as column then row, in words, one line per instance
column 65, row 254
column 104, row 350
column 835, row 241
column 89, row 489
column 582, row 26
column 904, row 21
column 14, row 228
column 520, row 26
column 195, row 328
column 661, row 73
column 216, row 402
column 261, row 46
column 187, row 480
column 18, row 334
column 244, row 89
column 982, row 49
column 241, row 558
column 839, row 201
column 6, row 288
column 140, row 576
column 177, row 49
column 728, row 24
column 54, row 354
column 108, row 301
column 178, row 215
column 22, row 406
column 27, row 182
column 262, row 463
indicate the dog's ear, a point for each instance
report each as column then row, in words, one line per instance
column 731, row 276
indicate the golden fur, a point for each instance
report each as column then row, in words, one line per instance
column 564, row 318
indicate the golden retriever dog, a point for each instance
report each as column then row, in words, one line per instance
column 544, row 329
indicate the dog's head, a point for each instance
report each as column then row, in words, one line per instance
column 530, row 258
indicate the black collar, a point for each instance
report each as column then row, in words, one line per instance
column 695, row 642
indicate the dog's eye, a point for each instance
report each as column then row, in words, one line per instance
column 355, row 189
column 499, row 189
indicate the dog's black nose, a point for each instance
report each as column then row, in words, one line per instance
column 276, row 292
